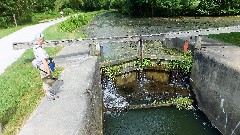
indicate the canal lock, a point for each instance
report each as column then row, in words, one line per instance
column 151, row 97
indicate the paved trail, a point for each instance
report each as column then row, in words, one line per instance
column 27, row 34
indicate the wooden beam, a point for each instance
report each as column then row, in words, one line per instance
column 160, row 36
column 132, row 58
column 162, row 57
column 141, row 106
column 198, row 42
column 116, row 62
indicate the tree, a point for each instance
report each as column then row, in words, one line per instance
column 43, row 5
column 21, row 8
column 73, row 4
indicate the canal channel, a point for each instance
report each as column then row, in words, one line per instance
column 148, row 87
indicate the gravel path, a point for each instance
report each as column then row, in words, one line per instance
column 27, row 34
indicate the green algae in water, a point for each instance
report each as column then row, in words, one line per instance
column 159, row 121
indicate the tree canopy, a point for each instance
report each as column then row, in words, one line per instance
column 177, row 7
column 23, row 9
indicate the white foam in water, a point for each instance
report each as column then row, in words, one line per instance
column 112, row 99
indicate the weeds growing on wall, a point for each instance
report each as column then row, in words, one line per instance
column 140, row 65
column 112, row 71
column 184, row 64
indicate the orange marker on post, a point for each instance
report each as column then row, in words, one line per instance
column 185, row 47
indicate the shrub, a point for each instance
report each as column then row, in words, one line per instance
column 74, row 22
column 6, row 22
column 77, row 21
column 67, row 11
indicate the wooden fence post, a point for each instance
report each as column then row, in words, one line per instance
column 140, row 49
column 101, row 53
column 14, row 18
column 164, row 42
column 95, row 49
column 185, row 46
column 198, row 41
column 0, row 128
column 92, row 49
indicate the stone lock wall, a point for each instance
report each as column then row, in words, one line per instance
column 216, row 84
column 215, row 79
column 95, row 110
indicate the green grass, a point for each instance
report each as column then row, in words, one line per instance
column 232, row 38
column 54, row 33
column 37, row 18
column 8, row 31
column 21, row 90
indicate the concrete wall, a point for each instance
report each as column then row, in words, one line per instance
column 215, row 79
column 95, row 110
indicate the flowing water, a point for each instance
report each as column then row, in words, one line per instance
column 144, row 88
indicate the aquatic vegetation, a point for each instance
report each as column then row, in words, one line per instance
column 183, row 103
column 180, row 102
column 140, row 65
column 184, row 64
column 112, row 71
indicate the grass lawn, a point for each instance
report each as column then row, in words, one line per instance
column 54, row 33
column 5, row 32
column 37, row 17
column 232, row 38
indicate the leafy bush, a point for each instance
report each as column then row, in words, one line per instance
column 76, row 21
column 45, row 16
column 176, row 7
column 6, row 22
column 67, row 11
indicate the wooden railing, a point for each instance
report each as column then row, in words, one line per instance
column 96, row 49
column 161, row 36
